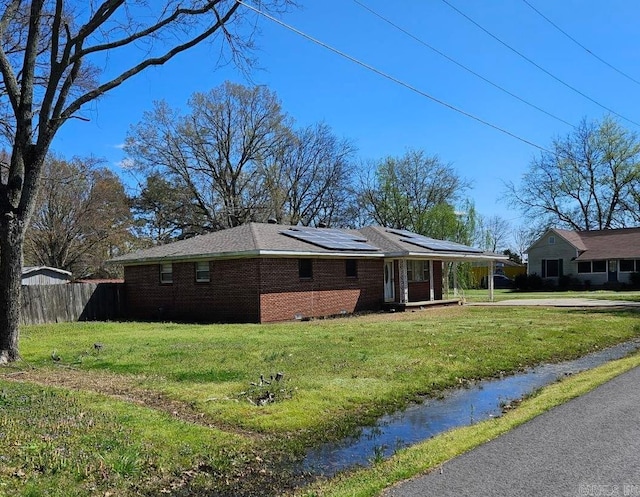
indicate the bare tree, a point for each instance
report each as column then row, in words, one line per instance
column 48, row 60
column 216, row 151
column 309, row 181
column 493, row 233
column 589, row 180
column 522, row 238
column 80, row 219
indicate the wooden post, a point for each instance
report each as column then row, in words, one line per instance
column 455, row 279
column 431, row 290
column 404, row 284
column 445, row 279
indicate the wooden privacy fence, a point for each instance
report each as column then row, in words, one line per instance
column 72, row 302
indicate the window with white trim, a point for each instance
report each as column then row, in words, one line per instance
column 203, row 274
column 585, row 267
column 166, row 273
column 417, row 271
column 629, row 265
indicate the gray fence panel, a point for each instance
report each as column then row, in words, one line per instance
column 72, row 302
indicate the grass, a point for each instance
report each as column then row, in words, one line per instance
column 502, row 294
column 71, row 443
column 169, row 400
column 433, row 453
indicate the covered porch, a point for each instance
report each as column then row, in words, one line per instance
column 418, row 282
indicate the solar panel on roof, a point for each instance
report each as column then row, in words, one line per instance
column 432, row 243
column 330, row 238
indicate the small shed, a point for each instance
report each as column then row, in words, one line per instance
column 44, row 275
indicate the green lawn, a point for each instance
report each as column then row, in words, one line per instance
column 502, row 294
column 169, row 407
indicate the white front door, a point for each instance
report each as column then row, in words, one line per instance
column 389, row 291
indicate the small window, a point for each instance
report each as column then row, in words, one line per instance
column 584, row 267
column 418, row 270
column 202, row 272
column 627, row 266
column 552, row 240
column 305, row 268
column 599, row 266
column 166, row 273
column 351, row 268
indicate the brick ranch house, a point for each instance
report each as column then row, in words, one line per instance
column 599, row 257
column 270, row 272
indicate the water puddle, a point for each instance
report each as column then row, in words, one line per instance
column 461, row 407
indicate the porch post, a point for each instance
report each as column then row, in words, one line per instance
column 455, row 278
column 445, row 279
column 490, row 280
column 431, row 290
column 404, row 284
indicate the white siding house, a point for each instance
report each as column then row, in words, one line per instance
column 599, row 257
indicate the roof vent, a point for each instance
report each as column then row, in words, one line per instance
column 272, row 220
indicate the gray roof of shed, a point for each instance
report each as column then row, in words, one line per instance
column 26, row 270
column 259, row 239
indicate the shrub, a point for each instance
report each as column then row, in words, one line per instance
column 634, row 279
column 521, row 282
column 536, row 283
column 564, row 282
column 528, row 282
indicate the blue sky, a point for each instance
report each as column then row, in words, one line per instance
column 383, row 118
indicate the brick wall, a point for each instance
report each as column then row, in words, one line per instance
column 231, row 294
column 328, row 292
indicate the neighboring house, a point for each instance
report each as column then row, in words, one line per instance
column 269, row 272
column 594, row 257
column 44, row 275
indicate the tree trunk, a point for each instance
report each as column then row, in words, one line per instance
column 12, row 231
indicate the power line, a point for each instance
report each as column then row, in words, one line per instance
column 619, row 71
column 389, row 77
column 442, row 54
column 538, row 65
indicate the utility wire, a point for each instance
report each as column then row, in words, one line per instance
column 389, row 77
column 619, row 71
column 450, row 59
column 538, row 65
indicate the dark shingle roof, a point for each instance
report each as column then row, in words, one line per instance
column 258, row 239
column 623, row 243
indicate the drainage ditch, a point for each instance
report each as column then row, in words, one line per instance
column 461, row 407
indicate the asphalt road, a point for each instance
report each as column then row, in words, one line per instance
column 589, row 446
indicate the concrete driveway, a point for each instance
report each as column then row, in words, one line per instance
column 589, row 446
column 563, row 302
